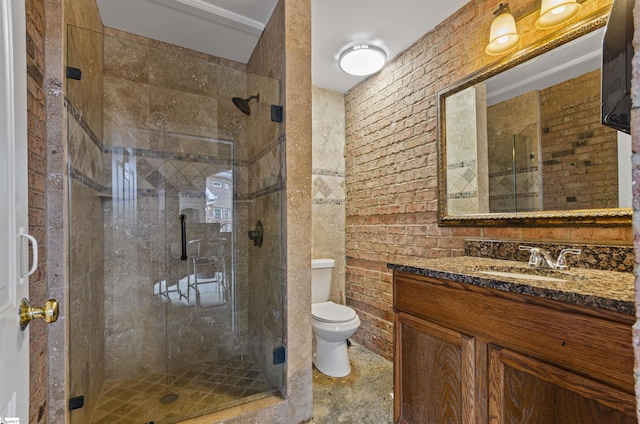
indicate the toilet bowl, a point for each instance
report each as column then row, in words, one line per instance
column 332, row 323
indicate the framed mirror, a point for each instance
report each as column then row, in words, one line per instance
column 521, row 142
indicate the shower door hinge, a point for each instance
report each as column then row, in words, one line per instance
column 74, row 73
column 277, row 113
column 76, row 403
column 278, row 355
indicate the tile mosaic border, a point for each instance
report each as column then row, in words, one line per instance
column 77, row 115
column 86, row 181
column 522, row 170
column 319, row 174
column 464, row 164
column 463, row 195
column 327, row 172
column 104, row 190
column 328, row 202
column 276, row 142
column 158, row 154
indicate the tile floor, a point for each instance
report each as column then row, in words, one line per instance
column 362, row 397
column 185, row 393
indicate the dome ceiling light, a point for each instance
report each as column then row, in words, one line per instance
column 362, row 59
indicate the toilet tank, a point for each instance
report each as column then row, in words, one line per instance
column 321, row 270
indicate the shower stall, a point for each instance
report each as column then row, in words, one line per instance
column 514, row 173
column 174, row 312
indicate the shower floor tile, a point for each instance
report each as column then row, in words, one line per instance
column 163, row 398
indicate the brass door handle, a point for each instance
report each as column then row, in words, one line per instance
column 27, row 312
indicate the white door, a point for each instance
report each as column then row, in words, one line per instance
column 14, row 343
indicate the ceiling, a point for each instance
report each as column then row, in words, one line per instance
column 231, row 28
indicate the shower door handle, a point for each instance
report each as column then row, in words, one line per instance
column 183, row 234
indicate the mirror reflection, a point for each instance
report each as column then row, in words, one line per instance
column 530, row 139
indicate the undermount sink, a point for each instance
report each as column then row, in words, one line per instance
column 521, row 276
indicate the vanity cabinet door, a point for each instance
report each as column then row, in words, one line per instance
column 524, row 390
column 434, row 373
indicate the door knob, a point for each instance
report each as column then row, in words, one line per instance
column 27, row 312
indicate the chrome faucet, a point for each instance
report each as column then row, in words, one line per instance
column 541, row 258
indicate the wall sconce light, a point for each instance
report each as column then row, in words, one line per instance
column 503, row 36
column 556, row 12
column 362, row 59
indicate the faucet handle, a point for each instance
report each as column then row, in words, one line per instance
column 561, row 263
column 535, row 259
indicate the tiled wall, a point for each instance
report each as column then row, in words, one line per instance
column 327, row 184
column 85, row 299
column 173, row 133
column 170, row 132
column 284, row 53
column 392, row 159
column 263, row 160
column 514, row 180
column 466, row 187
column 84, row 275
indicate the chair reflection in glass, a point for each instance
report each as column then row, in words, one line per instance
column 164, row 288
column 207, row 273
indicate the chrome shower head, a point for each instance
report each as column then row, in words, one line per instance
column 243, row 104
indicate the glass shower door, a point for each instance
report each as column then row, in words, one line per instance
column 174, row 312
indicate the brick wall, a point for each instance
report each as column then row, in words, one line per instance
column 391, row 207
column 569, row 153
column 37, row 215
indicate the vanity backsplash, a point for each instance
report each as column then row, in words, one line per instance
column 601, row 257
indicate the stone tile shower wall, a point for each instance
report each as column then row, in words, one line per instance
column 284, row 53
column 86, row 236
column 262, row 162
column 391, row 162
column 514, row 177
column 165, row 132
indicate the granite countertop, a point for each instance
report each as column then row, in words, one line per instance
column 609, row 290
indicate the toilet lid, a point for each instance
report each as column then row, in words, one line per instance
column 332, row 312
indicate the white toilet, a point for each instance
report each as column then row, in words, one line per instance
column 332, row 323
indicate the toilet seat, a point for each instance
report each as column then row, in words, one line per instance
column 332, row 312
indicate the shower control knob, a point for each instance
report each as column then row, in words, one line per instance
column 256, row 234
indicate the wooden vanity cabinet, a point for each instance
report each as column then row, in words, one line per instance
column 468, row 354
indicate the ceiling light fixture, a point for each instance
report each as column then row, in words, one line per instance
column 362, row 59
column 503, row 35
column 556, row 12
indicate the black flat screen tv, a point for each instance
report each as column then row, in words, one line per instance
column 617, row 53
